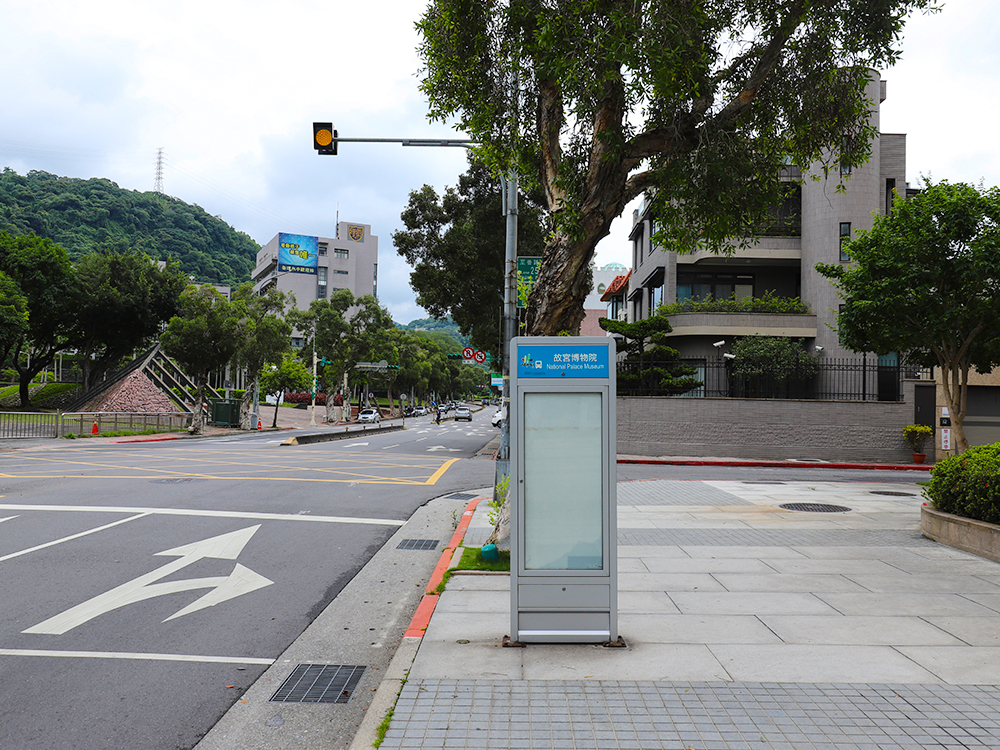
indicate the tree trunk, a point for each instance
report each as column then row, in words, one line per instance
column 246, row 412
column 198, row 420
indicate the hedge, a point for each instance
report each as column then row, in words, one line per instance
column 968, row 485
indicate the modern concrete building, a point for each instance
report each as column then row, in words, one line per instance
column 816, row 221
column 315, row 267
column 593, row 307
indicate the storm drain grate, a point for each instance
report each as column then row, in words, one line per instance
column 462, row 496
column 893, row 494
column 319, row 683
column 815, row 507
column 418, row 544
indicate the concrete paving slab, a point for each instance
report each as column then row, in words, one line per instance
column 644, row 550
column 491, row 601
column 821, row 664
column 916, row 604
column 857, row 631
column 640, row 661
column 958, row 665
column 758, row 603
column 743, row 551
column 992, row 601
column 974, row 631
column 927, row 583
column 668, row 582
column 787, row 582
column 836, row 566
column 706, row 565
column 655, row 602
column 695, row 628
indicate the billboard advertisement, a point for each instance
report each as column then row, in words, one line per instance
column 297, row 253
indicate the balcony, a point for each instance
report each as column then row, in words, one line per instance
column 743, row 324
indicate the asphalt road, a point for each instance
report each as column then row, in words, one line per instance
column 147, row 585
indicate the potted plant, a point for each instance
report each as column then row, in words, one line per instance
column 916, row 435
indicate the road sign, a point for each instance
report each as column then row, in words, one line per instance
column 468, row 352
column 480, row 356
column 527, row 272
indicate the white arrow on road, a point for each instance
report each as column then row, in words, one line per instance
column 355, row 445
column 442, row 448
column 223, row 547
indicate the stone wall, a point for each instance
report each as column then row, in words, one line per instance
column 869, row 431
column 136, row 393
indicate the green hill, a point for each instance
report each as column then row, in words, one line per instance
column 84, row 215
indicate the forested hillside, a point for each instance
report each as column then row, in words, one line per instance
column 84, row 215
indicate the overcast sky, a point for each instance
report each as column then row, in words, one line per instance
column 229, row 91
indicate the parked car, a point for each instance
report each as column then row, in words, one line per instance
column 371, row 416
column 420, row 411
column 463, row 412
column 499, row 417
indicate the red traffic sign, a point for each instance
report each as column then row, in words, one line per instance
column 480, row 356
column 467, row 352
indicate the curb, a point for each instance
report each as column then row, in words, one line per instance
column 399, row 667
column 776, row 464
column 325, row 437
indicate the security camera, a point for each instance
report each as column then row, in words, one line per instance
column 818, row 348
column 727, row 355
column 717, row 344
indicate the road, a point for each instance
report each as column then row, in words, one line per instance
column 147, row 585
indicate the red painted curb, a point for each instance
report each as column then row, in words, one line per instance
column 422, row 616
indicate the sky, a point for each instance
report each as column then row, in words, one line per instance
column 229, row 91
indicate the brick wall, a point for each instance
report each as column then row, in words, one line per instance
column 767, row 429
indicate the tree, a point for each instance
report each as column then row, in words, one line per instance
column 769, row 366
column 44, row 276
column 925, row 282
column 697, row 105
column 650, row 368
column 121, row 299
column 289, row 375
column 266, row 338
column 13, row 316
column 204, row 337
column 457, row 245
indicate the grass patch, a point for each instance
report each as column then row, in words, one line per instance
column 472, row 560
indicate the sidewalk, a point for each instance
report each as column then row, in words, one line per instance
column 748, row 626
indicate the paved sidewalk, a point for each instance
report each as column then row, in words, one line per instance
column 748, row 626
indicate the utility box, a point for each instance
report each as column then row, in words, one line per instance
column 563, row 462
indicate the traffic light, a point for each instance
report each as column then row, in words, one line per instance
column 454, row 356
column 325, row 138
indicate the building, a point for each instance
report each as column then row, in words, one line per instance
column 816, row 221
column 593, row 307
column 315, row 267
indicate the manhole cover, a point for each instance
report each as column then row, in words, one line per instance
column 177, row 480
column 418, row 544
column 893, row 494
column 462, row 496
column 815, row 507
column 319, row 683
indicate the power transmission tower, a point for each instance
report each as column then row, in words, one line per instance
column 158, row 183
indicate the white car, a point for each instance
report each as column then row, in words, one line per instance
column 370, row 416
column 500, row 416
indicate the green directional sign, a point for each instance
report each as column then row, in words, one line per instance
column 527, row 272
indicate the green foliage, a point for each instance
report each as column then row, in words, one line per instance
column 697, row 105
column 650, row 368
column 968, row 485
column 85, row 216
column 456, row 245
column 922, row 283
column 288, row 375
column 916, row 435
column 499, row 498
column 768, row 303
column 773, row 357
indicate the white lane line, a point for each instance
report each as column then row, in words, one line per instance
column 387, row 447
column 8, row 518
column 127, row 655
column 203, row 514
column 74, row 536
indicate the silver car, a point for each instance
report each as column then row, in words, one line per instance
column 463, row 412
column 371, row 416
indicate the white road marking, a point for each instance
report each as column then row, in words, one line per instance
column 142, row 514
column 443, row 448
column 355, row 445
column 387, row 447
column 127, row 655
column 8, row 518
column 222, row 547
column 190, row 512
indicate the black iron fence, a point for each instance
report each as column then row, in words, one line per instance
column 860, row 379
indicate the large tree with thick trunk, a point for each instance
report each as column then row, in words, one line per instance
column 697, row 104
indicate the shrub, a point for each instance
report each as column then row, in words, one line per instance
column 968, row 485
column 304, row 398
column 916, row 435
column 769, row 302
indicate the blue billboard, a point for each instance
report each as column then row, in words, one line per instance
column 297, row 253
column 562, row 361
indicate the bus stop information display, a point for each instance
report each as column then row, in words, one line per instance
column 563, row 533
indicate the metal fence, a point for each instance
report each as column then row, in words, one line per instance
column 46, row 424
column 863, row 379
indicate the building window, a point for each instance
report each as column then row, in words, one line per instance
column 339, row 252
column 845, row 237
column 699, row 287
column 322, row 248
column 637, row 248
column 340, row 272
column 601, row 288
column 321, row 283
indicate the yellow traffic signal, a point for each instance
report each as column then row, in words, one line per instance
column 325, row 138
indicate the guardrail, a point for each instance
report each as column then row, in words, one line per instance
column 53, row 425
